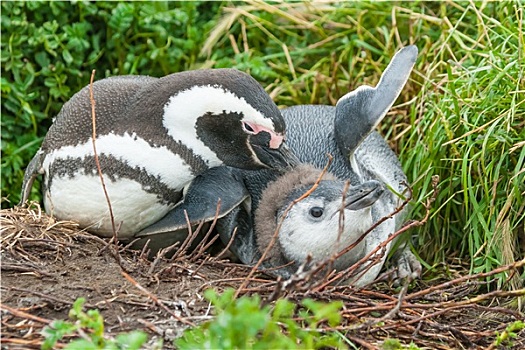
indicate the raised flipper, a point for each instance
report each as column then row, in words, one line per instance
column 32, row 171
column 200, row 201
column 360, row 111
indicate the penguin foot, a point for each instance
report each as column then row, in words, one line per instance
column 405, row 268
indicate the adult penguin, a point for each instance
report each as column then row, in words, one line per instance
column 153, row 137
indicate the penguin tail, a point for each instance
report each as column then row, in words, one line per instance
column 32, row 171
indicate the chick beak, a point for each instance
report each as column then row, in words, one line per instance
column 363, row 195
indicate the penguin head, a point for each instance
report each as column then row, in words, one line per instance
column 226, row 117
column 313, row 225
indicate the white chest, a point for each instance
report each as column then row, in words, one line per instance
column 82, row 200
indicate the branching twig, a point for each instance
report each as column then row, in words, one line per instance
column 192, row 235
column 445, row 285
column 155, row 299
column 204, row 244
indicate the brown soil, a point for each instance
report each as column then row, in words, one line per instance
column 46, row 265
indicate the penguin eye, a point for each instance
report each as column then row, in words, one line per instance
column 248, row 128
column 316, row 212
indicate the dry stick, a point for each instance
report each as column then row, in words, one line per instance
column 94, row 136
column 128, row 245
column 230, row 242
column 276, row 232
column 203, row 261
column 340, row 231
column 270, row 269
column 97, row 162
column 217, row 257
column 361, row 342
column 19, row 268
column 278, row 287
column 49, row 242
column 155, row 299
column 202, row 246
column 301, row 275
column 476, row 299
column 110, row 242
column 396, row 309
column 223, row 280
column 28, row 344
column 189, row 239
column 47, row 297
column 23, row 314
column 161, row 254
column 164, row 251
column 342, row 212
column 448, row 306
column 419, row 325
column 445, row 304
column 515, row 265
column 144, row 249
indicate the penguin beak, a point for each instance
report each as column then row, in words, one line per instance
column 278, row 158
column 364, row 195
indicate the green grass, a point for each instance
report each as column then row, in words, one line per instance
column 461, row 116
column 470, row 132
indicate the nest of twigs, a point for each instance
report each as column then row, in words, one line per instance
column 46, row 265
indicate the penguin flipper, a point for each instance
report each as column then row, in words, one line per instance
column 215, row 187
column 360, row 111
column 33, row 169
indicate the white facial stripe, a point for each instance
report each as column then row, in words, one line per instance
column 83, row 199
column 183, row 109
column 135, row 152
column 254, row 155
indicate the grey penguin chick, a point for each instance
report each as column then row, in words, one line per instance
column 154, row 136
column 312, row 226
column 360, row 155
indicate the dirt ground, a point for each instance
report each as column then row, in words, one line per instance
column 46, row 265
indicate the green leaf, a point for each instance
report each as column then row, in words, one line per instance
column 132, row 341
column 67, row 56
column 82, row 344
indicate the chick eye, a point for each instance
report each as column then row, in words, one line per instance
column 316, row 212
column 247, row 127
